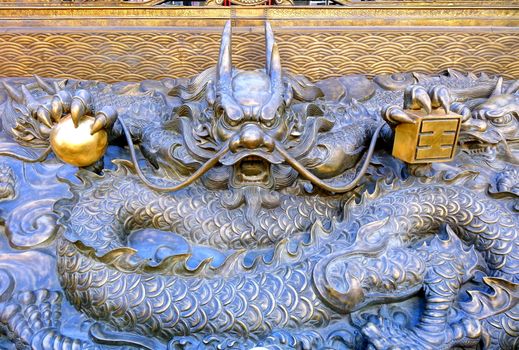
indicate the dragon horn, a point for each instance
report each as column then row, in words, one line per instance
column 224, row 68
column 44, row 85
column 268, row 111
column 273, row 61
column 28, row 97
column 269, row 45
column 498, row 90
column 275, row 65
column 15, row 94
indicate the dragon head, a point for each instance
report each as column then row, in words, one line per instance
column 27, row 111
column 501, row 114
column 268, row 125
column 248, row 114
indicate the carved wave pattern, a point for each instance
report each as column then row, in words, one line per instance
column 134, row 56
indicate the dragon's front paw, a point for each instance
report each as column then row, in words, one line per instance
column 80, row 136
column 428, row 124
column 417, row 97
column 78, row 108
column 64, row 117
column 385, row 334
column 57, row 103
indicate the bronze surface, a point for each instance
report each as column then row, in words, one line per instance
column 240, row 192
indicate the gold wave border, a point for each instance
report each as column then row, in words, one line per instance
column 313, row 42
column 137, row 56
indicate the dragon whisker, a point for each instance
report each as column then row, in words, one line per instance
column 320, row 183
column 178, row 186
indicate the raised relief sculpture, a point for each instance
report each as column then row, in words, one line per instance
column 240, row 209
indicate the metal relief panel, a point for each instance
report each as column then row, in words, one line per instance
column 250, row 208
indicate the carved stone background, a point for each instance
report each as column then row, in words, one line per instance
column 138, row 55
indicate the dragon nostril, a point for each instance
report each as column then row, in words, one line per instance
column 268, row 143
column 251, row 137
column 234, row 144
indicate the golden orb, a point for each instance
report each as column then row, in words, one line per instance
column 76, row 146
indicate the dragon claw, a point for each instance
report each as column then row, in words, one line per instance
column 60, row 104
column 466, row 329
column 396, row 115
column 440, row 97
column 461, row 109
column 56, row 109
column 468, row 121
column 416, row 97
column 385, row 334
column 80, row 105
column 104, row 119
column 43, row 115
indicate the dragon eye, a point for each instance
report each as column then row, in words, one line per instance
column 221, row 114
column 503, row 120
column 230, row 121
column 268, row 123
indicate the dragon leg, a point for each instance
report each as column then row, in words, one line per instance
column 448, row 265
column 31, row 319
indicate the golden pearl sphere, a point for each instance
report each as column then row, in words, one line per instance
column 76, row 146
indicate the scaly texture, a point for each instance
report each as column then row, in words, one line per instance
column 202, row 216
column 282, row 297
column 421, row 209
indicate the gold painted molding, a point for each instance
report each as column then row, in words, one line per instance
column 138, row 42
column 363, row 16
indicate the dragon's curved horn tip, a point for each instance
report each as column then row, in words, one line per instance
column 226, row 37
column 268, row 28
column 12, row 92
column 275, row 61
column 498, row 89
column 224, row 67
column 227, row 28
column 269, row 43
column 44, row 85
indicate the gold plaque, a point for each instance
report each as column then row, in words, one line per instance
column 432, row 138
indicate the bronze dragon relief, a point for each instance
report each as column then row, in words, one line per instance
column 260, row 210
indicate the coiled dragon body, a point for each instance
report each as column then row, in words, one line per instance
column 283, row 295
column 246, row 226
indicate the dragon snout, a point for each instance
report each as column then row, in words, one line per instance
column 251, row 137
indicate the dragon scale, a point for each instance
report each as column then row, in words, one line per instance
column 177, row 305
column 241, row 208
